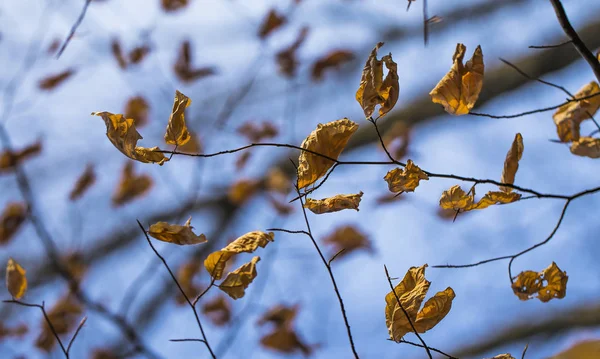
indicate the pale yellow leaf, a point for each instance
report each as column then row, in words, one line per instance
column 175, row 233
column 16, row 281
column 177, row 132
column 569, row 116
column 336, row 203
column 405, row 179
column 511, row 163
column 236, row 282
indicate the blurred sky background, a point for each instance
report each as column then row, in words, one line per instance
column 405, row 233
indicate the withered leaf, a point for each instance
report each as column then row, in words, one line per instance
column 185, row 277
column 84, row 182
column 173, row 5
column 183, row 65
column 496, row 197
column 117, row 52
column 586, row 147
column 280, row 315
column 138, row 54
column 131, row 185
column 511, row 163
column 15, row 331
column 329, row 140
column 13, row 216
column 373, row 89
column 63, row 316
column 248, row 243
column 584, row 349
column 137, row 108
column 405, row 179
column 278, row 181
column 347, row 239
column 243, row 190
column 104, row 354
column 336, row 203
column 256, row 132
column 236, row 282
column 53, row 81
column 175, row 233
column 285, row 340
column 459, row 89
column 193, row 145
column 241, row 161
column 271, row 22
column 569, row 116
column 177, row 132
column 397, row 139
column 218, row 310
column 456, row 199
column 286, row 58
column 548, row 284
column 53, row 47
column 9, row 159
column 16, row 281
column 333, row 59
column 434, row 310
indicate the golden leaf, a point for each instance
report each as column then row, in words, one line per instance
column 53, row 81
column 84, row 182
column 243, row 190
column 286, row 58
column 271, row 22
column 9, row 159
column 336, row 203
column 459, row 89
column 131, row 185
column 585, row 349
column 411, row 292
column 173, row 5
column 333, row 59
column 137, row 108
column 456, row 199
column 14, row 214
column 349, row 239
column 218, row 310
column 177, row 132
column 586, row 147
column 373, row 89
column 511, row 163
column 285, row 340
column 569, row 116
column 255, row 132
column 548, row 284
column 183, row 65
column 328, row 140
column 16, row 281
column 236, row 282
column 280, row 316
column 248, row 243
column 122, row 134
column 175, row 233
column 494, row 197
column 63, row 316
column 405, row 179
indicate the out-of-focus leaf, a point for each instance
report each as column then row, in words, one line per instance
column 243, row 190
column 131, row 186
column 397, row 139
column 63, row 316
column 585, row 349
column 405, row 179
column 117, row 52
column 586, row 147
column 282, row 207
column 241, row 161
column 271, row 22
column 16, row 281
column 286, row 58
column 459, row 89
column 218, row 310
column 175, row 233
column 329, row 140
column 285, row 340
column 511, row 163
column 84, row 182
column 137, row 108
column 185, row 277
column 569, row 116
column 16, row 331
column 456, row 199
column 53, row 47
column 236, row 282
column 53, row 81
column 333, row 59
column 278, row 181
column 104, row 354
column 138, row 54
column 177, row 132
column 280, row 315
column 255, row 132
column 548, row 284
column 75, row 264
column 373, row 89
column 347, row 239
column 13, row 216
column 248, row 243
column 336, row 203
column 10, row 159
column 173, row 5
column 184, row 68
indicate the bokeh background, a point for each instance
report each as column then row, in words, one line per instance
column 248, row 86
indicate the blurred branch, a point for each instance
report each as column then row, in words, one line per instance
column 74, row 28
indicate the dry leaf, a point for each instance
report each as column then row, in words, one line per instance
column 278, row 181
column 193, row 145
column 281, row 316
column 411, row 291
column 54, row 46
column 16, row 281
column 13, row 216
column 255, row 132
column 328, row 140
column 177, row 132
column 117, row 52
column 104, row 354
column 503, row 356
column 84, row 182
column 137, row 108
column 569, row 116
column 586, row 147
column 242, row 190
column 511, row 163
column 63, row 316
column 241, row 161
column 333, row 59
column 283, row 208
column 456, row 199
column 53, row 81
column 405, row 179
column 16, row 331
column 248, row 243
column 493, row 197
column 270, row 23
column 183, row 65
column 334, row 204
column 131, row 186
column 459, row 89
column 285, row 340
column 585, row 349
column 75, row 264
column 286, row 58
column 218, row 310
column 173, row 5
column 397, row 139
column 236, row 282
column 373, row 89
column 122, row 134
column 548, row 284
column 349, row 239
column 175, row 233
column 185, row 277
column 138, row 54
column 10, row 159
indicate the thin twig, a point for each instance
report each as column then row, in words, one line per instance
column 81, row 323
column 430, row 348
column 287, row 231
column 74, row 28
column 550, row 46
column 334, row 256
column 524, row 351
column 188, row 340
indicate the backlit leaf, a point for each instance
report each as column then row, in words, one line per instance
column 271, row 22
column 405, row 179
column 569, row 116
column 434, row 310
column 236, row 282
column 13, row 216
column 16, row 281
column 131, row 185
column 53, row 81
column 456, row 199
column 175, row 233
column 586, row 147
column 84, row 182
column 459, row 89
column 336, row 203
column 177, row 132
column 548, row 284
column 511, row 163
column 333, row 59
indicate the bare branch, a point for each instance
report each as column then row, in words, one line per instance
column 76, row 332
column 74, row 28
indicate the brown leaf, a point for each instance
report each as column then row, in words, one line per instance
column 84, row 182
column 584, row 349
column 459, row 89
column 271, row 22
column 137, row 108
column 285, row 340
column 349, row 239
column 177, row 132
column 54, row 46
column 511, row 163
column 10, row 159
column 328, row 140
column 286, row 58
column 586, row 147
column 75, row 264
column 183, row 67
column 63, row 316
column 333, row 59
column 405, row 179
column 255, row 132
column 13, row 216
column 16, row 281
column 53, row 81
column 241, row 161
column 549, row 284
column 173, row 5
column 281, row 316
column 193, row 145
column 175, row 233
column 117, row 52
column 104, row 354
column 243, row 190
column 236, row 282
column 336, row 203
column 282, row 207
column 218, row 310
column 397, row 139
column 185, row 277
column 569, row 116
column 138, row 54
column 278, row 181
column 16, row 331
column 131, row 186
column 434, row 310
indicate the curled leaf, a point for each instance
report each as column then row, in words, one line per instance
column 336, row 203
column 434, row 310
column 16, row 281
column 177, row 132
column 548, row 284
column 586, row 147
column 511, row 163
column 569, row 116
column 175, row 233
column 459, row 89
column 236, row 282
column 84, row 182
column 496, row 197
column 405, row 179
column 328, row 140
column 333, row 59
column 456, row 199
column 131, row 185
column 13, row 216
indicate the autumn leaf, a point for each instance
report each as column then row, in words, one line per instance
column 138, row 54
column 456, row 199
column 511, row 163
column 405, row 179
column 503, row 356
column 285, row 340
column 411, row 292
column 54, row 46
column 243, row 190
column 13, row 216
column 175, row 233
column 347, row 239
column 496, row 197
column 104, row 354
column 177, row 132
column 286, row 58
column 586, row 147
column 131, row 186
column 397, row 139
column 283, row 208
column 185, row 277
column 548, row 284
column 63, row 316
column 217, row 310
column 53, row 81
column 10, row 159
column 280, row 315
column 193, row 145
column 237, row 281
column 373, row 89
column 270, row 23
column 584, row 349
column 569, row 116
column 117, row 52
column 16, row 281
column 278, row 181
column 15, row 331
column 173, row 5
column 84, row 182
column 183, row 67
column 459, row 89
column 336, row 203
column 137, row 108
column 256, row 132
column 248, row 243
column 75, row 264
column 328, row 140
column 333, row 59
